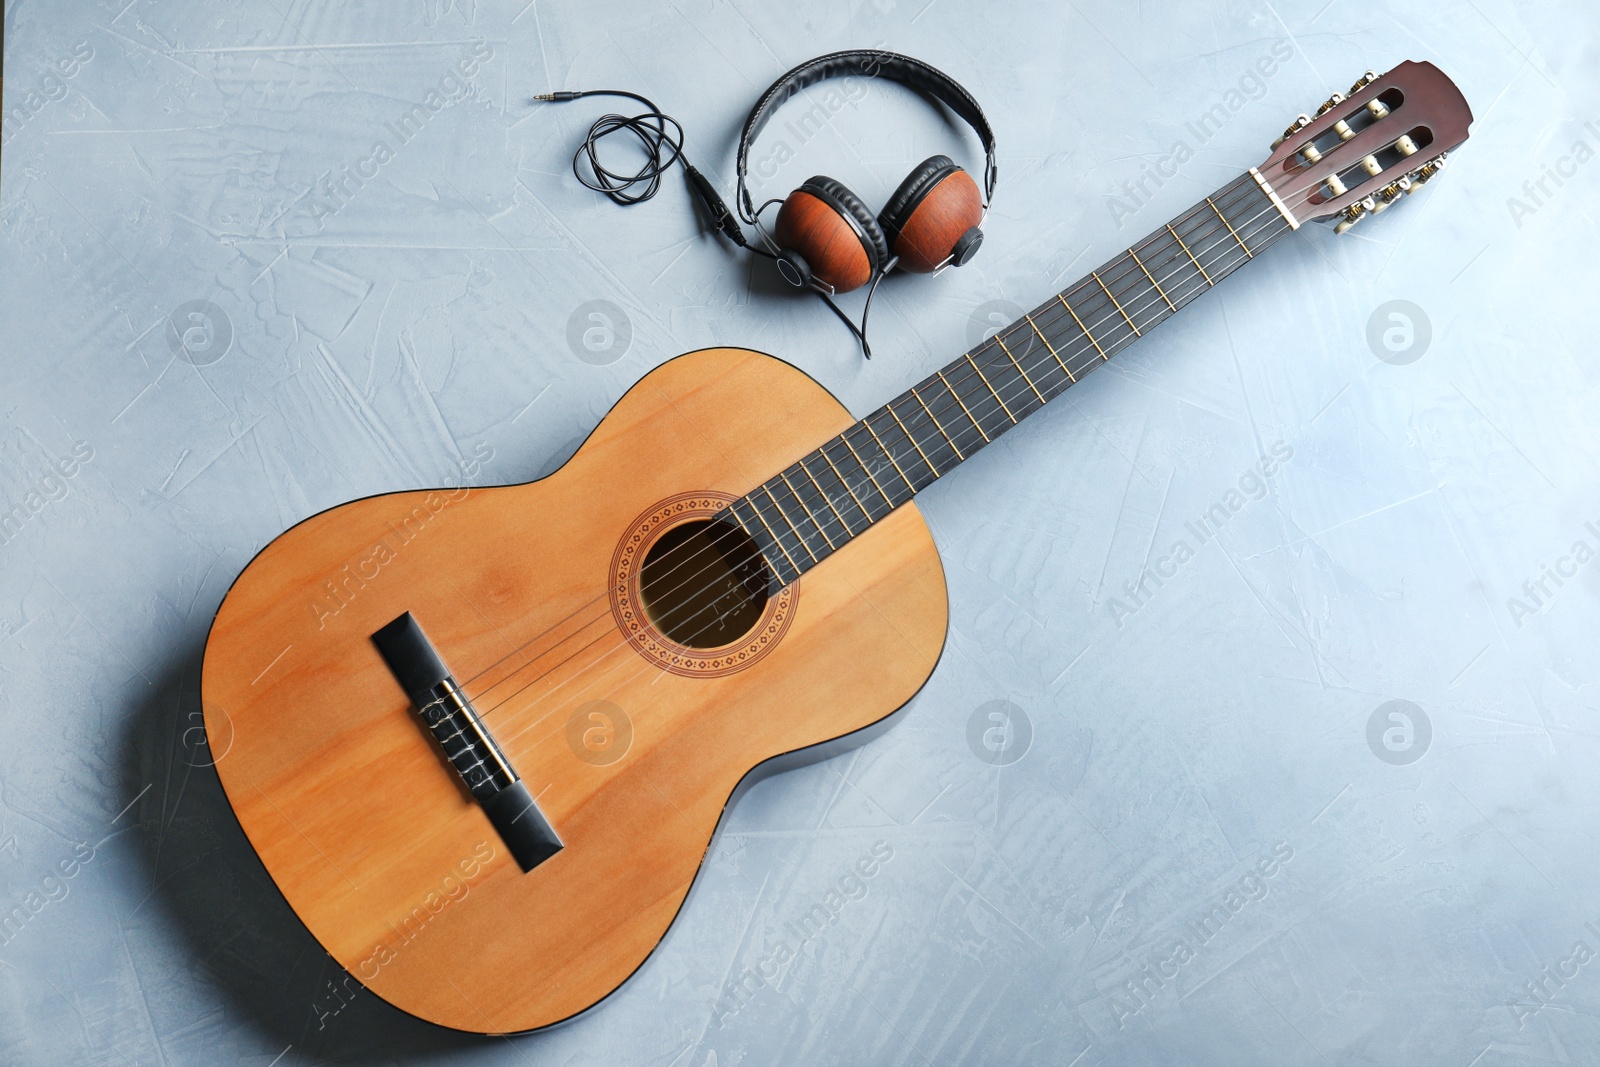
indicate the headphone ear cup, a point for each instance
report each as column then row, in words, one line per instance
column 933, row 216
column 828, row 226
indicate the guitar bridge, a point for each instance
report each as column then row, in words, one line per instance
column 466, row 742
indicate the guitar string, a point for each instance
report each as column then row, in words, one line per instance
column 1059, row 315
column 1068, row 351
column 1250, row 228
column 1240, row 184
column 1248, row 225
column 1221, row 198
column 587, row 681
column 594, row 681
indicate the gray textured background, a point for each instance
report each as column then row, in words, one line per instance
column 1432, row 911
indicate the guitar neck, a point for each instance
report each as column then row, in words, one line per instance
column 814, row 507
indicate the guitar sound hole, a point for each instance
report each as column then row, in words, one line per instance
column 703, row 584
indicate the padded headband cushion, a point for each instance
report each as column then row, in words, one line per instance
column 905, row 199
column 837, row 195
column 871, row 63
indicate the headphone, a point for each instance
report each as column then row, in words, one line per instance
column 826, row 237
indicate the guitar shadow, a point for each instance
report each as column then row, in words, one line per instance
column 199, row 870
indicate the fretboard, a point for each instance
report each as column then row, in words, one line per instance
column 815, row 507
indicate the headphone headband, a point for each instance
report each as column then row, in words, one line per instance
column 870, row 63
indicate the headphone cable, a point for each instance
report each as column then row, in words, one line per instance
column 661, row 137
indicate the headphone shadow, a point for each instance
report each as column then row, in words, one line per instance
column 213, row 891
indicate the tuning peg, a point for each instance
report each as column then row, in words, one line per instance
column 1406, row 146
column 1377, row 108
column 1300, row 123
column 1362, row 82
column 1354, row 214
column 1426, row 172
column 1329, row 104
column 1390, row 193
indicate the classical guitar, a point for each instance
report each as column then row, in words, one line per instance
column 482, row 738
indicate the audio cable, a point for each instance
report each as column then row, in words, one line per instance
column 660, row 136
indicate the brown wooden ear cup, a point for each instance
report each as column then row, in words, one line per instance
column 828, row 226
column 933, row 216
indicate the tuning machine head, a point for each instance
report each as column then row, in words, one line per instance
column 1355, row 213
column 1390, row 193
column 1426, row 173
column 1361, row 152
column 1362, row 82
column 1300, row 122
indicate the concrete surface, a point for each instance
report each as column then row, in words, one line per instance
column 216, row 343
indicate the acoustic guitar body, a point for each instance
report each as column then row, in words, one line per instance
column 631, row 742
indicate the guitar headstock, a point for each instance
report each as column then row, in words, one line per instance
column 1364, row 150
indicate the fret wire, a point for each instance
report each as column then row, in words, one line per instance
column 773, row 533
column 1051, row 347
column 1199, row 251
column 1130, row 282
column 1244, row 197
column 1020, row 371
column 1224, row 257
column 914, row 444
column 1224, row 220
column 766, row 486
column 1174, row 255
column 733, row 510
column 1190, row 254
column 1082, row 327
column 1269, row 228
column 1192, row 215
column 837, row 473
column 894, row 417
column 816, row 513
column 797, row 504
column 1210, row 279
column 1134, row 292
column 1211, row 242
column 963, row 405
column 1117, row 275
column 1096, row 276
column 849, row 533
column 873, row 478
column 821, row 529
column 963, row 378
column 886, row 452
column 998, row 398
column 1152, row 278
